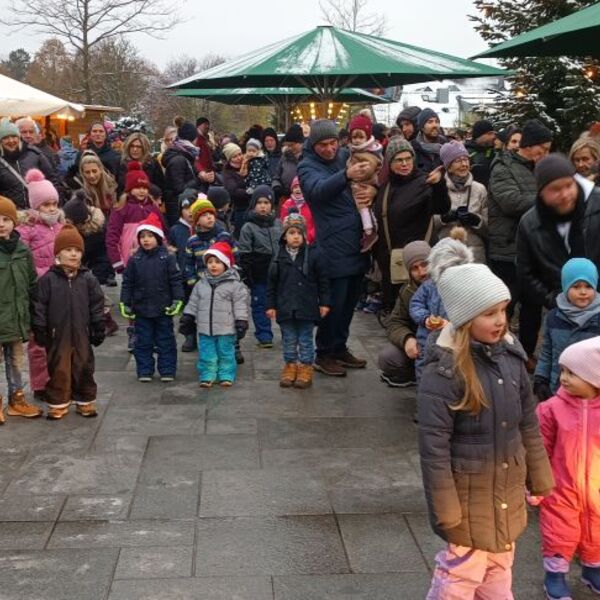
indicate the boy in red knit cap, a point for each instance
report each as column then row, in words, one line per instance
column 68, row 319
column 364, row 148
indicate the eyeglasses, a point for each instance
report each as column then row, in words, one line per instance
column 463, row 160
column 402, row 161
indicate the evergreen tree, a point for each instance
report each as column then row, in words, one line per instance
column 17, row 64
column 564, row 92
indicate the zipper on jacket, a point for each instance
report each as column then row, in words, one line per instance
column 210, row 310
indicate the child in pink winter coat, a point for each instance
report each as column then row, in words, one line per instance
column 38, row 229
column 296, row 200
column 129, row 212
column 570, row 516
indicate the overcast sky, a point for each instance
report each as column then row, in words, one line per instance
column 233, row 27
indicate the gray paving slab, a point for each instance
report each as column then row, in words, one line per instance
column 94, row 507
column 383, row 586
column 111, row 534
column 234, row 425
column 175, row 498
column 24, row 535
column 30, row 508
column 81, row 574
column 273, row 492
column 157, row 562
column 269, row 546
column 205, row 588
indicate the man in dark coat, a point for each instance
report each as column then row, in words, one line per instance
column 99, row 144
column 481, row 150
column 428, row 142
column 563, row 224
column 270, row 143
column 407, row 121
column 324, row 179
column 512, row 192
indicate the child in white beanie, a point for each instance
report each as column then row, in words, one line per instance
column 570, row 424
column 479, row 439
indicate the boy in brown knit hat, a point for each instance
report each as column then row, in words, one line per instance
column 17, row 282
column 68, row 319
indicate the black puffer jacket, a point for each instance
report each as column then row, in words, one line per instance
column 180, row 174
column 541, row 251
column 28, row 157
column 109, row 158
column 475, row 468
column 512, row 192
column 296, row 288
column 481, row 161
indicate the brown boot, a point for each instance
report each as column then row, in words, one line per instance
column 18, row 406
column 87, row 410
column 288, row 375
column 57, row 412
column 305, row 376
column 2, row 417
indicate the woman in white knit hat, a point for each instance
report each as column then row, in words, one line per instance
column 479, row 439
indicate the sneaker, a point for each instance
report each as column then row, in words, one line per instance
column 591, row 577
column 360, row 305
column 206, row 384
column 348, row 360
column 304, row 377
column 288, row 375
column 555, row 586
column 397, row 382
column 226, row 383
column 145, row 378
column 19, row 407
column 167, row 378
column 239, row 357
column 328, row 365
column 55, row 412
column 190, row 344
column 265, row 345
column 373, row 307
column 368, row 241
column 87, row 409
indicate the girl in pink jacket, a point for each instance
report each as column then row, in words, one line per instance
column 38, row 230
column 296, row 201
column 570, row 516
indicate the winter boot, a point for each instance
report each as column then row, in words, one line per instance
column 328, row 365
column 591, row 577
column 87, row 409
column 18, row 406
column 55, row 413
column 239, row 357
column 2, row 417
column 190, row 344
column 110, row 324
column 305, row 376
column 348, row 360
column 555, row 586
column 288, row 375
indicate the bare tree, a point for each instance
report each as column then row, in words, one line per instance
column 84, row 24
column 351, row 15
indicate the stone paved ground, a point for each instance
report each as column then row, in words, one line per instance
column 251, row 493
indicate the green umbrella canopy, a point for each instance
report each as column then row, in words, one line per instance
column 266, row 96
column 327, row 59
column 575, row 35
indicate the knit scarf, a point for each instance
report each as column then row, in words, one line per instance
column 10, row 245
column 298, row 199
column 460, row 183
column 49, row 219
column 186, row 147
column 261, row 220
column 293, row 252
column 579, row 316
column 429, row 147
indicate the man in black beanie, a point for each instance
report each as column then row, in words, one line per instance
column 512, row 192
column 481, row 150
column 563, row 224
column 287, row 167
column 270, row 143
column 429, row 141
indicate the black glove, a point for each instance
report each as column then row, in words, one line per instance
column 41, row 338
column 187, row 325
column 469, row 219
column 449, row 217
column 541, row 388
column 240, row 328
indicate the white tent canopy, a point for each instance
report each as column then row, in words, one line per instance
column 18, row 99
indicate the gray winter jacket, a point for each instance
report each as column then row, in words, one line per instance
column 513, row 191
column 285, row 173
column 218, row 302
column 475, row 468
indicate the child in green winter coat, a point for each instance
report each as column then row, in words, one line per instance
column 17, row 284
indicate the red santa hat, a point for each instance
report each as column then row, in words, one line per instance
column 152, row 224
column 222, row 251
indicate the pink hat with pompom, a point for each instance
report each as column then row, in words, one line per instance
column 39, row 189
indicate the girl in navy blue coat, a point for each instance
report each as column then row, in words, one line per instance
column 152, row 294
column 298, row 297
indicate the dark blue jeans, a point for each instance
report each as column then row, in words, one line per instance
column 334, row 329
column 262, row 323
column 298, row 345
column 150, row 334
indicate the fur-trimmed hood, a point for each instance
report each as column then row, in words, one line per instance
column 30, row 217
column 94, row 223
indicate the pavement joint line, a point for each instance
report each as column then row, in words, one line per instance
column 196, row 520
column 62, row 507
column 272, row 578
column 137, row 479
column 112, row 576
column 339, row 530
column 416, row 541
column 101, row 421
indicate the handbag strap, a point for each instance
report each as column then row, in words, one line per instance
column 384, row 210
column 13, row 171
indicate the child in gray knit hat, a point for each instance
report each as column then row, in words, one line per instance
column 479, row 439
column 255, row 167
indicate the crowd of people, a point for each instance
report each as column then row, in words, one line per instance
column 462, row 245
